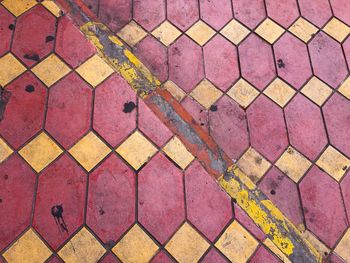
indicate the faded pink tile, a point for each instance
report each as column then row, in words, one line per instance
column 216, row 13
column 249, row 12
column 346, row 48
column 183, row 13
column 341, row 9
column 345, row 186
column 214, row 256
column 283, row 12
column 161, row 257
column 115, row 13
column 6, row 28
column 263, row 255
column 318, row 12
column 149, row 13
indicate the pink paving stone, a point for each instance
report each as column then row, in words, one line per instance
column 337, row 116
column 305, row 126
column 115, row 13
column 6, row 23
column 318, row 12
column 161, row 208
column 214, row 256
column 54, row 259
column 68, row 35
column 161, row 257
column 92, row 5
column 150, row 125
column 249, row 12
column 17, row 182
column 346, row 48
column 221, row 62
column 283, row 192
column 62, row 184
column 149, row 13
column 154, row 55
column 267, row 129
column 283, row 12
column 208, row 207
column 110, row 258
column 333, row 258
column 323, row 206
column 24, row 115
column 216, row 13
column 183, row 13
column 341, row 9
column 228, row 127
column 197, row 111
column 327, row 59
column 345, row 186
column 292, row 59
column 32, row 28
column 111, row 199
column 110, row 120
column 69, row 110
column 247, row 222
column 185, row 63
column 256, row 60
column 263, row 255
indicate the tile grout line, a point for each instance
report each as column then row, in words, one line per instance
column 280, row 230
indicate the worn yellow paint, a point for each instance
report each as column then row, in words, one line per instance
column 243, row 93
column 303, row 29
column 89, row 151
column 136, row 150
column 268, row 243
column 28, row 248
column 40, row 152
column 50, row 70
column 18, row 7
column 206, row 93
column 337, row 29
column 280, row 92
column 235, row 31
column 132, row 33
column 236, row 243
column 342, row 248
column 166, row 33
column 253, row 164
column 317, row 91
column 52, row 7
column 94, row 70
column 10, row 68
column 200, row 32
column 293, row 164
column 334, row 163
column 269, row 30
column 345, row 88
column 5, row 150
column 178, row 152
column 187, row 246
column 135, row 247
column 83, row 247
column 175, row 90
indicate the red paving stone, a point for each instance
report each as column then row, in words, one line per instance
column 263, row 255
column 161, row 257
column 216, row 13
column 250, row 12
column 214, row 256
column 149, row 13
column 6, row 28
column 183, row 13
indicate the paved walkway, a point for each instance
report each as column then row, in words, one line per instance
column 87, row 171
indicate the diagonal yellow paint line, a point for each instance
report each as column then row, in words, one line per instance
column 261, row 210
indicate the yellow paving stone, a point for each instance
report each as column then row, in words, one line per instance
column 178, row 152
column 303, row 29
column 200, row 32
column 187, row 246
column 206, row 93
column 5, row 150
column 343, row 248
column 10, row 68
column 83, row 247
column 293, row 164
column 89, row 151
column 317, row 91
column 345, row 88
column 253, row 164
column 235, row 31
column 94, row 70
column 18, row 7
column 135, row 247
column 166, row 33
column 28, row 248
column 40, row 152
column 337, row 29
column 270, row 245
column 269, row 30
column 51, row 70
column 333, row 162
column 52, row 7
column 236, row 243
column 136, row 150
column 175, row 90
column 243, row 93
column 280, row 92
column 317, row 244
column 132, row 33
